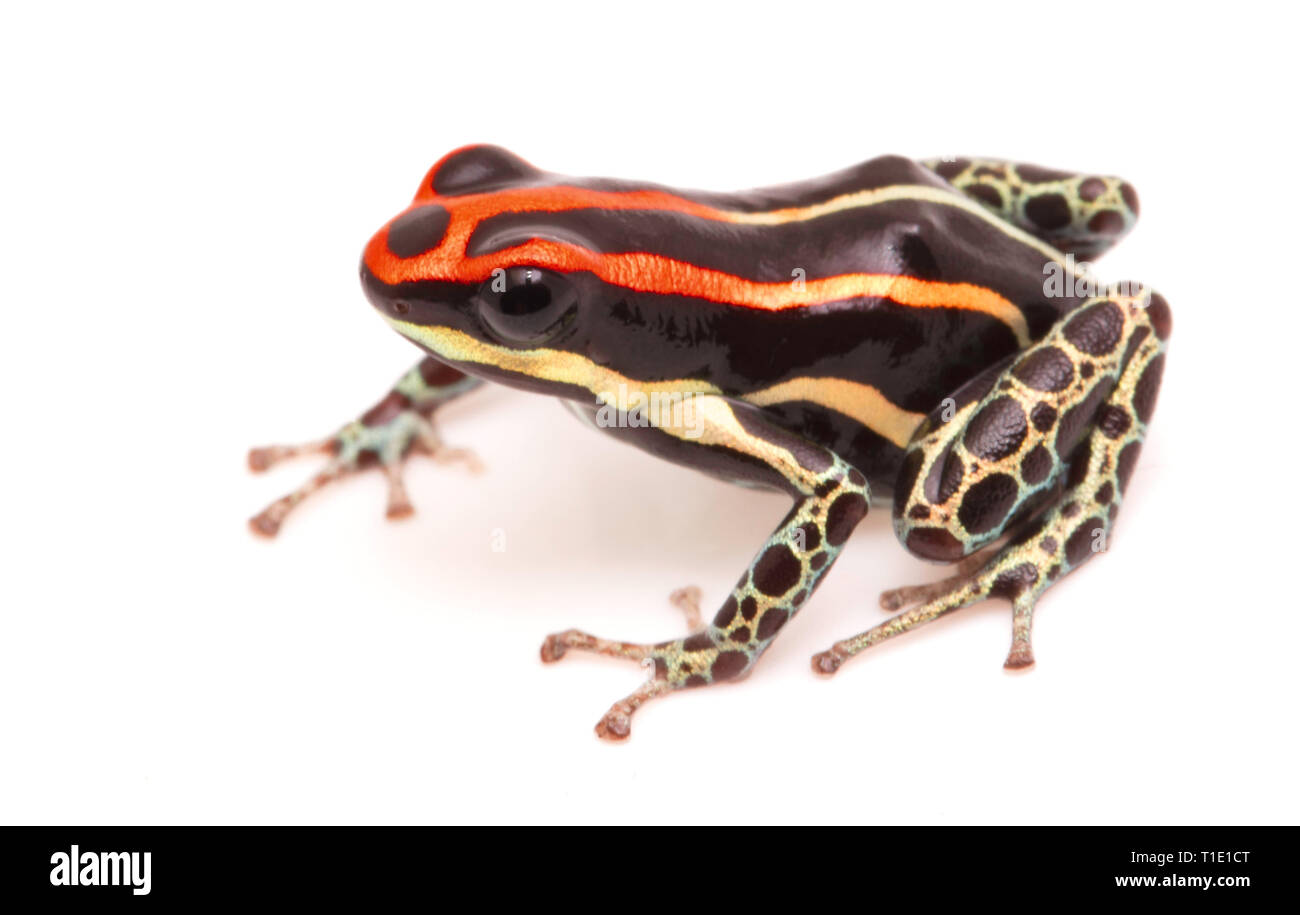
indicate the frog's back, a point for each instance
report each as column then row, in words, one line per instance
column 879, row 289
column 847, row 305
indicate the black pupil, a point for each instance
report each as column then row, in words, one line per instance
column 525, row 299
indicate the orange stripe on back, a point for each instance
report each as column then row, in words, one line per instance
column 647, row 272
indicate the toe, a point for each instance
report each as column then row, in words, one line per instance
column 553, row 648
column 893, row 600
column 1020, row 658
column 614, row 726
column 826, row 662
column 264, row 525
column 260, row 459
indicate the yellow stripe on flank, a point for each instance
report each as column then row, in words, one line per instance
column 718, row 426
column 546, row 364
column 862, row 402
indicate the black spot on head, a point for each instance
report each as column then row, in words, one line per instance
column 1096, row 329
column 1048, row 545
column 479, row 169
column 919, row 512
column 986, row 504
column 418, row 230
column 812, row 537
column 748, row 607
column 1045, row 369
column 1048, row 211
column 997, row 430
column 741, row 635
column 777, row 570
column 1105, row 493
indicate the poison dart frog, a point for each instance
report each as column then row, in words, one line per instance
column 887, row 331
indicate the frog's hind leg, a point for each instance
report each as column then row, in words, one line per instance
column 400, row 425
column 1080, row 214
column 831, row 497
column 896, row 599
column 1074, row 410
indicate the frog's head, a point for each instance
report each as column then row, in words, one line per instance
column 570, row 285
column 479, row 272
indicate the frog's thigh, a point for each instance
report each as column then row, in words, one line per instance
column 831, row 497
column 976, row 467
column 1080, row 213
column 1096, row 375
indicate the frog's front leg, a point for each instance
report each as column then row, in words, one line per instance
column 831, row 497
column 385, row 435
column 1073, row 409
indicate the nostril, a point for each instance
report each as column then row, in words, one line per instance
column 401, row 307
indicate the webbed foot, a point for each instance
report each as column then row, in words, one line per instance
column 385, row 436
column 1041, row 451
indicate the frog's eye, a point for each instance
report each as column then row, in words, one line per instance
column 526, row 304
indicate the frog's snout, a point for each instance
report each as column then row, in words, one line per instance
column 380, row 295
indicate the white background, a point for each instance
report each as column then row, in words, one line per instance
column 185, row 197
